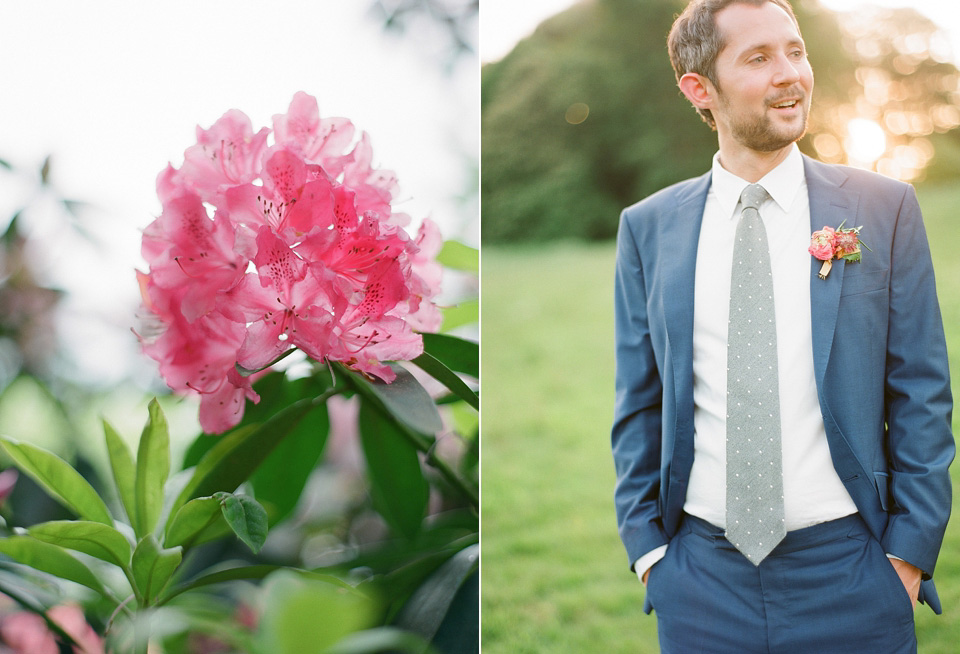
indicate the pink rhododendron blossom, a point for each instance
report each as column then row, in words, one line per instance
column 261, row 247
column 28, row 633
column 427, row 317
column 8, row 480
column 823, row 244
column 225, row 155
column 71, row 620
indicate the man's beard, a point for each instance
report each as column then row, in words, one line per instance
column 758, row 132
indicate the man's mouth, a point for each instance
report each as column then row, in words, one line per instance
column 786, row 104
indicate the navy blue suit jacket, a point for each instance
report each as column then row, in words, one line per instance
column 878, row 349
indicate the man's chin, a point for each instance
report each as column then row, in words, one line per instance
column 773, row 142
column 792, row 126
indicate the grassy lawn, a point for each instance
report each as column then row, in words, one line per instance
column 554, row 575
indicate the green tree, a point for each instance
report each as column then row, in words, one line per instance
column 584, row 117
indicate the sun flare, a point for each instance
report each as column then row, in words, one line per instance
column 866, row 141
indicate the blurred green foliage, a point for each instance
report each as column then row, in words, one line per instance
column 413, row 584
column 584, row 117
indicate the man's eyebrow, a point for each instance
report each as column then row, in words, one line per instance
column 763, row 45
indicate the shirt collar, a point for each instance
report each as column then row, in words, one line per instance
column 782, row 183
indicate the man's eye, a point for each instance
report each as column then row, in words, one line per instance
column 759, row 59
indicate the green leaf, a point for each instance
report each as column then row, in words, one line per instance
column 75, row 206
column 30, row 589
column 45, row 170
column 279, row 481
column 210, row 463
column 234, row 458
column 404, row 398
column 93, row 538
column 258, row 571
column 58, row 479
column 293, row 604
column 273, row 397
column 448, row 378
column 381, row 639
column 426, row 610
column 458, row 354
column 463, row 313
column 398, row 584
column 400, row 568
column 198, row 521
column 202, row 444
column 124, row 470
column 153, row 468
column 397, row 484
column 153, row 566
column 459, row 256
column 205, row 518
column 29, row 601
column 246, row 372
column 12, row 232
column 50, row 559
column 441, row 537
column 246, row 517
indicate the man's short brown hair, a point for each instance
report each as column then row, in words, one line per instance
column 695, row 42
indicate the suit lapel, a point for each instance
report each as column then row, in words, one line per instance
column 830, row 205
column 678, row 268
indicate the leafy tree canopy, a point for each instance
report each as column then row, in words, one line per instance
column 584, row 117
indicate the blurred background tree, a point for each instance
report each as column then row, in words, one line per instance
column 584, row 117
column 36, row 398
column 27, row 342
column 455, row 20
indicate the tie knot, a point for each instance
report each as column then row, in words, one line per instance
column 753, row 196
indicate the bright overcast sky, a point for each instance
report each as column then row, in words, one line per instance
column 114, row 90
column 504, row 22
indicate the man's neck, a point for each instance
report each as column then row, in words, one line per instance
column 748, row 164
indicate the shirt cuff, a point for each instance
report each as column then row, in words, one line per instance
column 646, row 561
column 894, row 557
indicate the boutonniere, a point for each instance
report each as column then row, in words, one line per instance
column 828, row 244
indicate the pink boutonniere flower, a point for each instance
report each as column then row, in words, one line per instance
column 828, row 244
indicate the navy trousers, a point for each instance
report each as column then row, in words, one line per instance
column 825, row 589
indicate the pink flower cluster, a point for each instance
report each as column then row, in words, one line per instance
column 822, row 244
column 829, row 243
column 264, row 247
column 28, row 633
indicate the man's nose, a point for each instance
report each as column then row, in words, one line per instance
column 788, row 72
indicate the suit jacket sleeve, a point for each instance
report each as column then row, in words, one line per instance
column 636, row 433
column 918, row 403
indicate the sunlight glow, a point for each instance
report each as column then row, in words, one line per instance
column 577, row 113
column 866, row 141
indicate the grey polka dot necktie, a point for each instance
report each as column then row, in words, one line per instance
column 754, row 468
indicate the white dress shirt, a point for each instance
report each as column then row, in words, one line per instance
column 813, row 492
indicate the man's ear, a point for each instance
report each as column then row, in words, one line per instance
column 698, row 90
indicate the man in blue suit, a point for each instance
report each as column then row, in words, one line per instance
column 852, row 387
